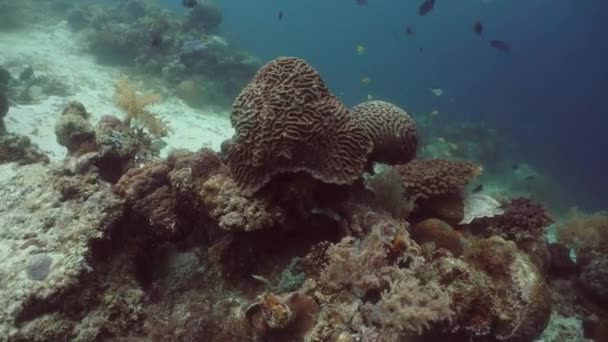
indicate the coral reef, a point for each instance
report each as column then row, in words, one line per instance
column 286, row 120
column 280, row 236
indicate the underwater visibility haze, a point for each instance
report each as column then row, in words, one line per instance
column 282, row 170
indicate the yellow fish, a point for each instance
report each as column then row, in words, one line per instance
column 370, row 97
column 441, row 140
column 365, row 80
column 434, row 113
column 360, row 50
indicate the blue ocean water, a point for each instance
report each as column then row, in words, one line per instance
column 547, row 94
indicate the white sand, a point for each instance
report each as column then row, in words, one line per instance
column 56, row 51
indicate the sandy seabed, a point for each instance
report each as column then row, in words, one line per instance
column 56, row 51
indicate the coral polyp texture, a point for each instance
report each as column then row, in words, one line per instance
column 423, row 179
column 391, row 129
column 287, row 120
column 522, row 220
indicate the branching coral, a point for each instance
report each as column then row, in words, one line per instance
column 584, row 231
column 423, row 179
column 522, row 220
column 131, row 101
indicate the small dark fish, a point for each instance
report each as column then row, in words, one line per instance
column 156, row 39
column 280, row 16
column 515, row 166
column 478, row 189
column 420, row 50
column 530, row 177
column 409, row 31
column 426, row 7
column 478, row 28
column 189, row 3
column 361, row 2
column 500, row 45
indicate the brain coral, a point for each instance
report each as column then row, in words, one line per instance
column 287, row 120
column 392, row 130
column 423, row 179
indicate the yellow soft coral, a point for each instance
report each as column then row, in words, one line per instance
column 133, row 102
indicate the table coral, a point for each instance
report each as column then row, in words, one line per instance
column 392, row 130
column 287, row 120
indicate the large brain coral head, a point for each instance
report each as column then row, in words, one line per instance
column 287, row 120
column 392, row 130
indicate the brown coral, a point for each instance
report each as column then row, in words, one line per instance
column 287, row 120
column 391, row 129
column 74, row 131
column 507, row 287
column 150, row 196
column 584, row 231
column 438, row 232
column 522, row 220
column 424, row 179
